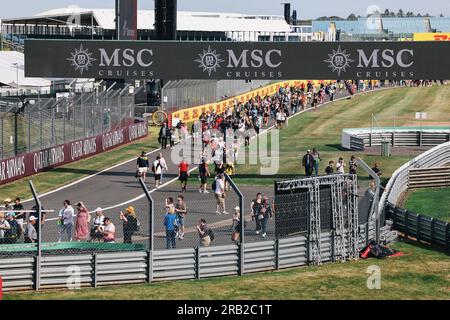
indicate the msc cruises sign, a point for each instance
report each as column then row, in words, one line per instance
column 236, row 60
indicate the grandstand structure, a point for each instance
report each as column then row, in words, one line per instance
column 377, row 28
column 85, row 23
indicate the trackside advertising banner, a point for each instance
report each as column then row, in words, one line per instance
column 34, row 162
column 237, row 60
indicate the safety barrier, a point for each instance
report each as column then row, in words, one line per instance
column 429, row 178
column 358, row 139
column 419, row 227
column 438, row 156
column 100, row 269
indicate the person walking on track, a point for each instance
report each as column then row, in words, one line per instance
column 203, row 176
column 183, row 174
column 157, row 171
column 255, row 208
column 142, row 165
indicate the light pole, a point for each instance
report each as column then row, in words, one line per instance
column 17, row 75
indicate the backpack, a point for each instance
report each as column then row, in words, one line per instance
column 211, row 234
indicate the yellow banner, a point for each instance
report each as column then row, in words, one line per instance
column 187, row 115
column 431, row 37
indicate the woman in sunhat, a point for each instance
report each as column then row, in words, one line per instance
column 82, row 223
column 130, row 224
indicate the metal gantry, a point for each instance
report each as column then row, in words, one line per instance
column 344, row 203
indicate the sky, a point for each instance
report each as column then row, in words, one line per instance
column 306, row 9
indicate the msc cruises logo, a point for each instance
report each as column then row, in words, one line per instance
column 209, row 60
column 339, row 61
column 81, row 59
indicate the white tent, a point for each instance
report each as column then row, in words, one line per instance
column 12, row 71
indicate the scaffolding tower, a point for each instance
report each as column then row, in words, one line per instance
column 344, row 205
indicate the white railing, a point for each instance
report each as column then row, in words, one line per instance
column 398, row 184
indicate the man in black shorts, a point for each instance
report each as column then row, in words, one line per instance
column 183, row 174
column 204, row 174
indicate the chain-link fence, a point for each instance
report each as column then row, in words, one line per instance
column 37, row 123
column 189, row 93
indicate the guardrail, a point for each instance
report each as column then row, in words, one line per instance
column 358, row 139
column 422, row 228
column 399, row 182
column 100, row 269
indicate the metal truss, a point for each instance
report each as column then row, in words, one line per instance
column 344, row 192
column 338, row 220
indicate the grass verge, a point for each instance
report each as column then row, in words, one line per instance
column 322, row 129
column 430, row 202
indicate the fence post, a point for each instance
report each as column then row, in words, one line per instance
column 432, row 231
column 418, row 227
column 197, row 262
column 37, row 273
column 277, row 254
column 39, row 220
column 447, row 237
column 94, row 270
column 241, row 246
column 333, row 247
column 151, row 231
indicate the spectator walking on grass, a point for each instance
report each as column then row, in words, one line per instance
column 316, row 156
column 308, row 163
column 376, row 169
column 82, row 223
column 352, row 165
column 66, row 221
column 340, row 166
column 329, row 170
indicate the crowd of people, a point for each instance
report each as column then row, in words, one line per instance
column 74, row 224
column 239, row 122
column 311, row 162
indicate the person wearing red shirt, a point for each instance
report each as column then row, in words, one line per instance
column 183, row 174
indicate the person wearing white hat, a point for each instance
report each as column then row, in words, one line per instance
column 30, row 231
column 66, row 221
column 97, row 225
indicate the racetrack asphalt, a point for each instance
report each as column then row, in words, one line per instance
column 116, row 188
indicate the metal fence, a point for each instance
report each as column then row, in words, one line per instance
column 48, row 263
column 32, row 124
column 182, row 94
column 420, row 227
column 399, row 182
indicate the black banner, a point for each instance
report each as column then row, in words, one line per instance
column 126, row 19
column 237, row 60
